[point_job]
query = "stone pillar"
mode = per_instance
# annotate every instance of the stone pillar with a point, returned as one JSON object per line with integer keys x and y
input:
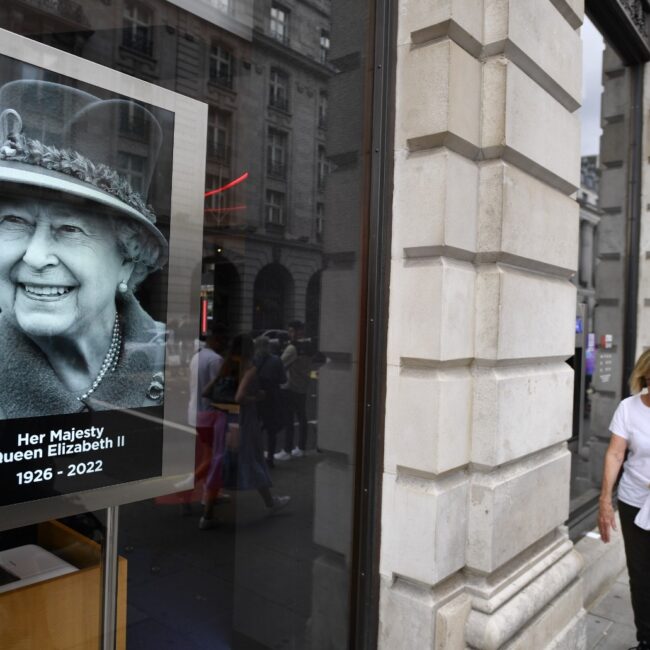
{"x": 611, "y": 253}
{"x": 479, "y": 399}
{"x": 643, "y": 322}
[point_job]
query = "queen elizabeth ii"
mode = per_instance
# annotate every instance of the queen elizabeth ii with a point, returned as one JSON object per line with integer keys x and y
{"x": 76, "y": 239}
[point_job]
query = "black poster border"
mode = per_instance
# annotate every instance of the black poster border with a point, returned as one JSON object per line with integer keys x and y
{"x": 59, "y": 455}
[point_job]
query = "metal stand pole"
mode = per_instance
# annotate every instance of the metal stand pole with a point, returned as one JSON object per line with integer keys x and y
{"x": 109, "y": 579}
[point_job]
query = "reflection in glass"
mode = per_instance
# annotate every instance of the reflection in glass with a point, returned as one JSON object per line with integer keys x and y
{"x": 214, "y": 565}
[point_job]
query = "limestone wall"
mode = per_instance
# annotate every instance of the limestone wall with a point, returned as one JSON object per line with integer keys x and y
{"x": 479, "y": 399}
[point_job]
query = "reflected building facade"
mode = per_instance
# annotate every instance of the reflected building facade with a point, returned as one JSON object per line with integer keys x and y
{"x": 488, "y": 442}
{"x": 282, "y": 232}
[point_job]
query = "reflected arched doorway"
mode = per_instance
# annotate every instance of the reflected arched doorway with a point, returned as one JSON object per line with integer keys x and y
{"x": 272, "y": 295}
{"x": 312, "y": 305}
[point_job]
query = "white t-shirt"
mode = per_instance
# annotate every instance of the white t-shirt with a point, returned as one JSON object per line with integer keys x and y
{"x": 632, "y": 421}
{"x": 204, "y": 367}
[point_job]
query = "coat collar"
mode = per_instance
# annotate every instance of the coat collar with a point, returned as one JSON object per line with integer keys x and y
{"x": 29, "y": 386}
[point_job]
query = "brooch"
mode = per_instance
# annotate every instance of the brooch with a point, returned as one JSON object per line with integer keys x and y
{"x": 156, "y": 388}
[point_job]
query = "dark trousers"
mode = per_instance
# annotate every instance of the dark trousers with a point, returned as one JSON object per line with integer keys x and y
{"x": 637, "y": 553}
{"x": 272, "y": 429}
{"x": 296, "y": 407}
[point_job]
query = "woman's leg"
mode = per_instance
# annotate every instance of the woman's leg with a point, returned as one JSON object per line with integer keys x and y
{"x": 637, "y": 553}
{"x": 267, "y": 497}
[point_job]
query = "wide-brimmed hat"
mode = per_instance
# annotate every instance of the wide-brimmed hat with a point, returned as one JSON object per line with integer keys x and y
{"x": 60, "y": 138}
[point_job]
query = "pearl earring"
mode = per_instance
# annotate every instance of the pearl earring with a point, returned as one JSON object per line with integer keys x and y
{"x": 122, "y": 287}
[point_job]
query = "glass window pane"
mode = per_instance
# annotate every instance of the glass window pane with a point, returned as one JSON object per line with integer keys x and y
{"x": 252, "y": 549}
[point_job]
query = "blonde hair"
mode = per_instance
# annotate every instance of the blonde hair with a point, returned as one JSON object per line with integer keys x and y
{"x": 640, "y": 372}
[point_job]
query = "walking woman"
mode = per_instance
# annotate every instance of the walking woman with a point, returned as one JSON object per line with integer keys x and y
{"x": 630, "y": 429}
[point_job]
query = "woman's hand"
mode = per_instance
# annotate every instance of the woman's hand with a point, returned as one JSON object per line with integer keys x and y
{"x": 606, "y": 519}
{"x": 614, "y": 457}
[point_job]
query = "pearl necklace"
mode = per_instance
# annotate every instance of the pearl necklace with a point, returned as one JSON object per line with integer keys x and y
{"x": 110, "y": 360}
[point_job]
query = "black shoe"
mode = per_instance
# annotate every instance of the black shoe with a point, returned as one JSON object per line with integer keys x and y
{"x": 643, "y": 645}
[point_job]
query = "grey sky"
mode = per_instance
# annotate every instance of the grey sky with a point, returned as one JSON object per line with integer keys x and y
{"x": 592, "y": 64}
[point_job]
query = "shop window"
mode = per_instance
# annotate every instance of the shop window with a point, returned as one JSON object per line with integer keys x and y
{"x": 248, "y": 260}
{"x": 137, "y": 24}
{"x": 279, "y": 89}
{"x": 275, "y": 208}
{"x": 221, "y": 65}
{"x": 276, "y": 153}
{"x": 279, "y": 23}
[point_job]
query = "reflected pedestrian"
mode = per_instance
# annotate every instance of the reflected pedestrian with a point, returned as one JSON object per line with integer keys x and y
{"x": 271, "y": 375}
{"x": 297, "y": 363}
{"x": 209, "y": 422}
{"x": 244, "y": 466}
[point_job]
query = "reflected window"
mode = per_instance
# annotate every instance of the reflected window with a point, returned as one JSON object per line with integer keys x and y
{"x": 279, "y": 24}
{"x": 137, "y": 23}
{"x": 279, "y": 89}
{"x": 217, "y": 205}
{"x": 324, "y": 45}
{"x": 219, "y": 135}
{"x": 221, "y": 65}
{"x": 322, "y": 168}
{"x": 221, "y": 5}
{"x": 322, "y": 109}
{"x": 275, "y": 208}
{"x": 320, "y": 216}
{"x": 276, "y": 153}
{"x": 132, "y": 121}
{"x": 132, "y": 167}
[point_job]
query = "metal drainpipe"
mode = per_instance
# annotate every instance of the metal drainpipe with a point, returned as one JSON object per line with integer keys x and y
{"x": 633, "y": 226}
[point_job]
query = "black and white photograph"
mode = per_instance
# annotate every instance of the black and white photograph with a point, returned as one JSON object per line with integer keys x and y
{"x": 84, "y": 226}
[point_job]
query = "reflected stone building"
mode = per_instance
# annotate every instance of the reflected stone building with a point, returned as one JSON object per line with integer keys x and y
{"x": 507, "y": 257}
{"x": 264, "y": 74}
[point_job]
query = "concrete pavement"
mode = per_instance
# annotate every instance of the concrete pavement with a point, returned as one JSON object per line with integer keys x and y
{"x": 610, "y": 623}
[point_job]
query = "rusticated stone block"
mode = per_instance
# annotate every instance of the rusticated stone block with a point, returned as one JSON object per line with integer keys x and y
{"x": 423, "y": 527}
{"x": 547, "y": 146}
{"x": 334, "y": 481}
{"x": 508, "y": 423}
{"x": 543, "y": 44}
{"x": 435, "y": 203}
{"x": 428, "y": 417}
{"x": 514, "y": 506}
{"x": 521, "y": 217}
{"x": 423, "y": 20}
{"x": 512, "y": 315}
{"x": 432, "y": 311}
{"x": 438, "y": 96}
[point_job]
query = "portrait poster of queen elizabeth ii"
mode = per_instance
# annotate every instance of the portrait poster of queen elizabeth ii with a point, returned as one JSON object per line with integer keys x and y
{"x": 101, "y": 194}
{"x": 84, "y": 205}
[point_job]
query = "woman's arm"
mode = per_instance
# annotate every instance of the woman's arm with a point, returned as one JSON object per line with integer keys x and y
{"x": 613, "y": 460}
